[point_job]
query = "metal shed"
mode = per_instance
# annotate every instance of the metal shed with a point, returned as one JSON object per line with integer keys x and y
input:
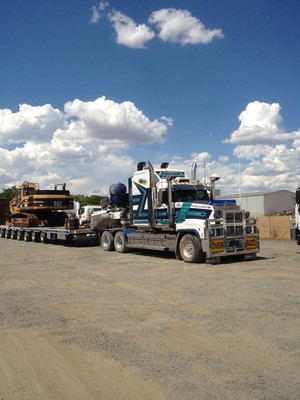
{"x": 264, "y": 203}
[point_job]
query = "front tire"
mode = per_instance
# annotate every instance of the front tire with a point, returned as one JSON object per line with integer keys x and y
{"x": 107, "y": 241}
{"x": 191, "y": 249}
{"x": 120, "y": 242}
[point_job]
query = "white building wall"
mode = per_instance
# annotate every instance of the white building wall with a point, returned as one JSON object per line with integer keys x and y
{"x": 264, "y": 203}
{"x": 254, "y": 204}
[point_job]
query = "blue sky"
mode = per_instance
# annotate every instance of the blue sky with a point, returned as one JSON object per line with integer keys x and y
{"x": 90, "y": 88}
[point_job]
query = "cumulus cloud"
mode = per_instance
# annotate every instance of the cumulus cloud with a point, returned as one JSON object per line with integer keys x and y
{"x": 265, "y": 157}
{"x": 88, "y": 146}
{"x": 173, "y": 26}
{"x": 128, "y": 32}
{"x": 83, "y": 141}
{"x": 119, "y": 122}
{"x": 261, "y": 123}
{"x": 29, "y": 123}
{"x": 179, "y": 26}
{"x": 272, "y": 155}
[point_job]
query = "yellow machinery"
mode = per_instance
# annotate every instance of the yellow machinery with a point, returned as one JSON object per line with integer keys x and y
{"x": 33, "y": 207}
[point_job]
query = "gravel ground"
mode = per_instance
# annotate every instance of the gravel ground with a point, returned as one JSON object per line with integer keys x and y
{"x": 81, "y": 323}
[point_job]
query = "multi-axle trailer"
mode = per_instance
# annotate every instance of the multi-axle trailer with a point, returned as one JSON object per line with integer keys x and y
{"x": 49, "y": 235}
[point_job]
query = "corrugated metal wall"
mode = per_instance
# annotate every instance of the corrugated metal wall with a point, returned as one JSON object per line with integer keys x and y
{"x": 264, "y": 203}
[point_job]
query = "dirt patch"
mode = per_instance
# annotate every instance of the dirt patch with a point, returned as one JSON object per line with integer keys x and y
{"x": 275, "y": 227}
{"x": 81, "y": 323}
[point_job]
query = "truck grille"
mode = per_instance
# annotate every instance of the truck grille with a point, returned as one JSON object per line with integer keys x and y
{"x": 234, "y": 217}
{"x": 232, "y": 233}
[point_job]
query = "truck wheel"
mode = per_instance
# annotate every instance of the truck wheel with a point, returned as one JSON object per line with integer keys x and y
{"x": 2, "y": 233}
{"x": 120, "y": 242}
{"x": 13, "y": 235}
{"x": 191, "y": 249}
{"x": 20, "y": 235}
{"x": 7, "y": 234}
{"x": 27, "y": 237}
{"x": 107, "y": 241}
{"x": 43, "y": 237}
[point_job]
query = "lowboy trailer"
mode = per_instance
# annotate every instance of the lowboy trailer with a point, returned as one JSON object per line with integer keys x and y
{"x": 49, "y": 235}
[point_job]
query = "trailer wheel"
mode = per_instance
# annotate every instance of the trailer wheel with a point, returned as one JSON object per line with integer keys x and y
{"x": 191, "y": 249}
{"x": 107, "y": 241}
{"x": 120, "y": 242}
{"x": 27, "y": 237}
{"x": 35, "y": 236}
{"x": 43, "y": 237}
{"x": 7, "y": 233}
{"x": 2, "y": 233}
{"x": 20, "y": 235}
{"x": 13, "y": 235}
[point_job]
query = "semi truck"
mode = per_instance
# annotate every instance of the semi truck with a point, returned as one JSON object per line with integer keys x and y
{"x": 163, "y": 209}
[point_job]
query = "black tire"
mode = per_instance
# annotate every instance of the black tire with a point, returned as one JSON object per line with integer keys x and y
{"x": 107, "y": 241}
{"x": 35, "y": 236}
{"x": 191, "y": 249}
{"x": 7, "y": 233}
{"x": 43, "y": 237}
{"x": 2, "y": 233}
{"x": 13, "y": 235}
{"x": 27, "y": 237}
{"x": 20, "y": 235}
{"x": 120, "y": 242}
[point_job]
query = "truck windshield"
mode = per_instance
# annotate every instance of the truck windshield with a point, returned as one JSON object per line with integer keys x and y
{"x": 196, "y": 193}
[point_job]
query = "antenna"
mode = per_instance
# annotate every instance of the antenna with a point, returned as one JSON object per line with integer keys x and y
{"x": 240, "y": 193}
{"x": 205, "y": 172}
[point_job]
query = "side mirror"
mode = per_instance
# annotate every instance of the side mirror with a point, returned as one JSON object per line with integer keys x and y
{"x": 298, "y": 196}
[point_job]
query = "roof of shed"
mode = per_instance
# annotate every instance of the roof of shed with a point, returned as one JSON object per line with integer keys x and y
{"x": 252, "y": 194}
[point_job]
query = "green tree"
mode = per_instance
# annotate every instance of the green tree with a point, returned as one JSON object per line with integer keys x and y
{"x": 85, "y": 200}
{"x": 8, "y": 194}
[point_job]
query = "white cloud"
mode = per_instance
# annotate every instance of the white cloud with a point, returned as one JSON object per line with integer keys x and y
{"x": 113, "y": 122}
{"x": 179, "y": 26}
{"x": 85, "y": 146}
{"x": 95, "y": 15}
{"x": 88, "y": 146}
{"x": 128, "y": 32}
{"x": 272, "y": 158}
{"x": 261, "y": 124}
{"x": 29, "y": 123}
{"x": 174, "y": 26}
{"x": 97, "y": 10}
{"x": 251, "y": 151}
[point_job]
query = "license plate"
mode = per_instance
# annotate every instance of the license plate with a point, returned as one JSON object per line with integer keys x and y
{"x": 251, "y": 243}
{"x": 217, "y": 245}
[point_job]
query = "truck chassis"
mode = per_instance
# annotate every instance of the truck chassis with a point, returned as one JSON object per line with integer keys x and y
{"x": 228, "y": 236}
